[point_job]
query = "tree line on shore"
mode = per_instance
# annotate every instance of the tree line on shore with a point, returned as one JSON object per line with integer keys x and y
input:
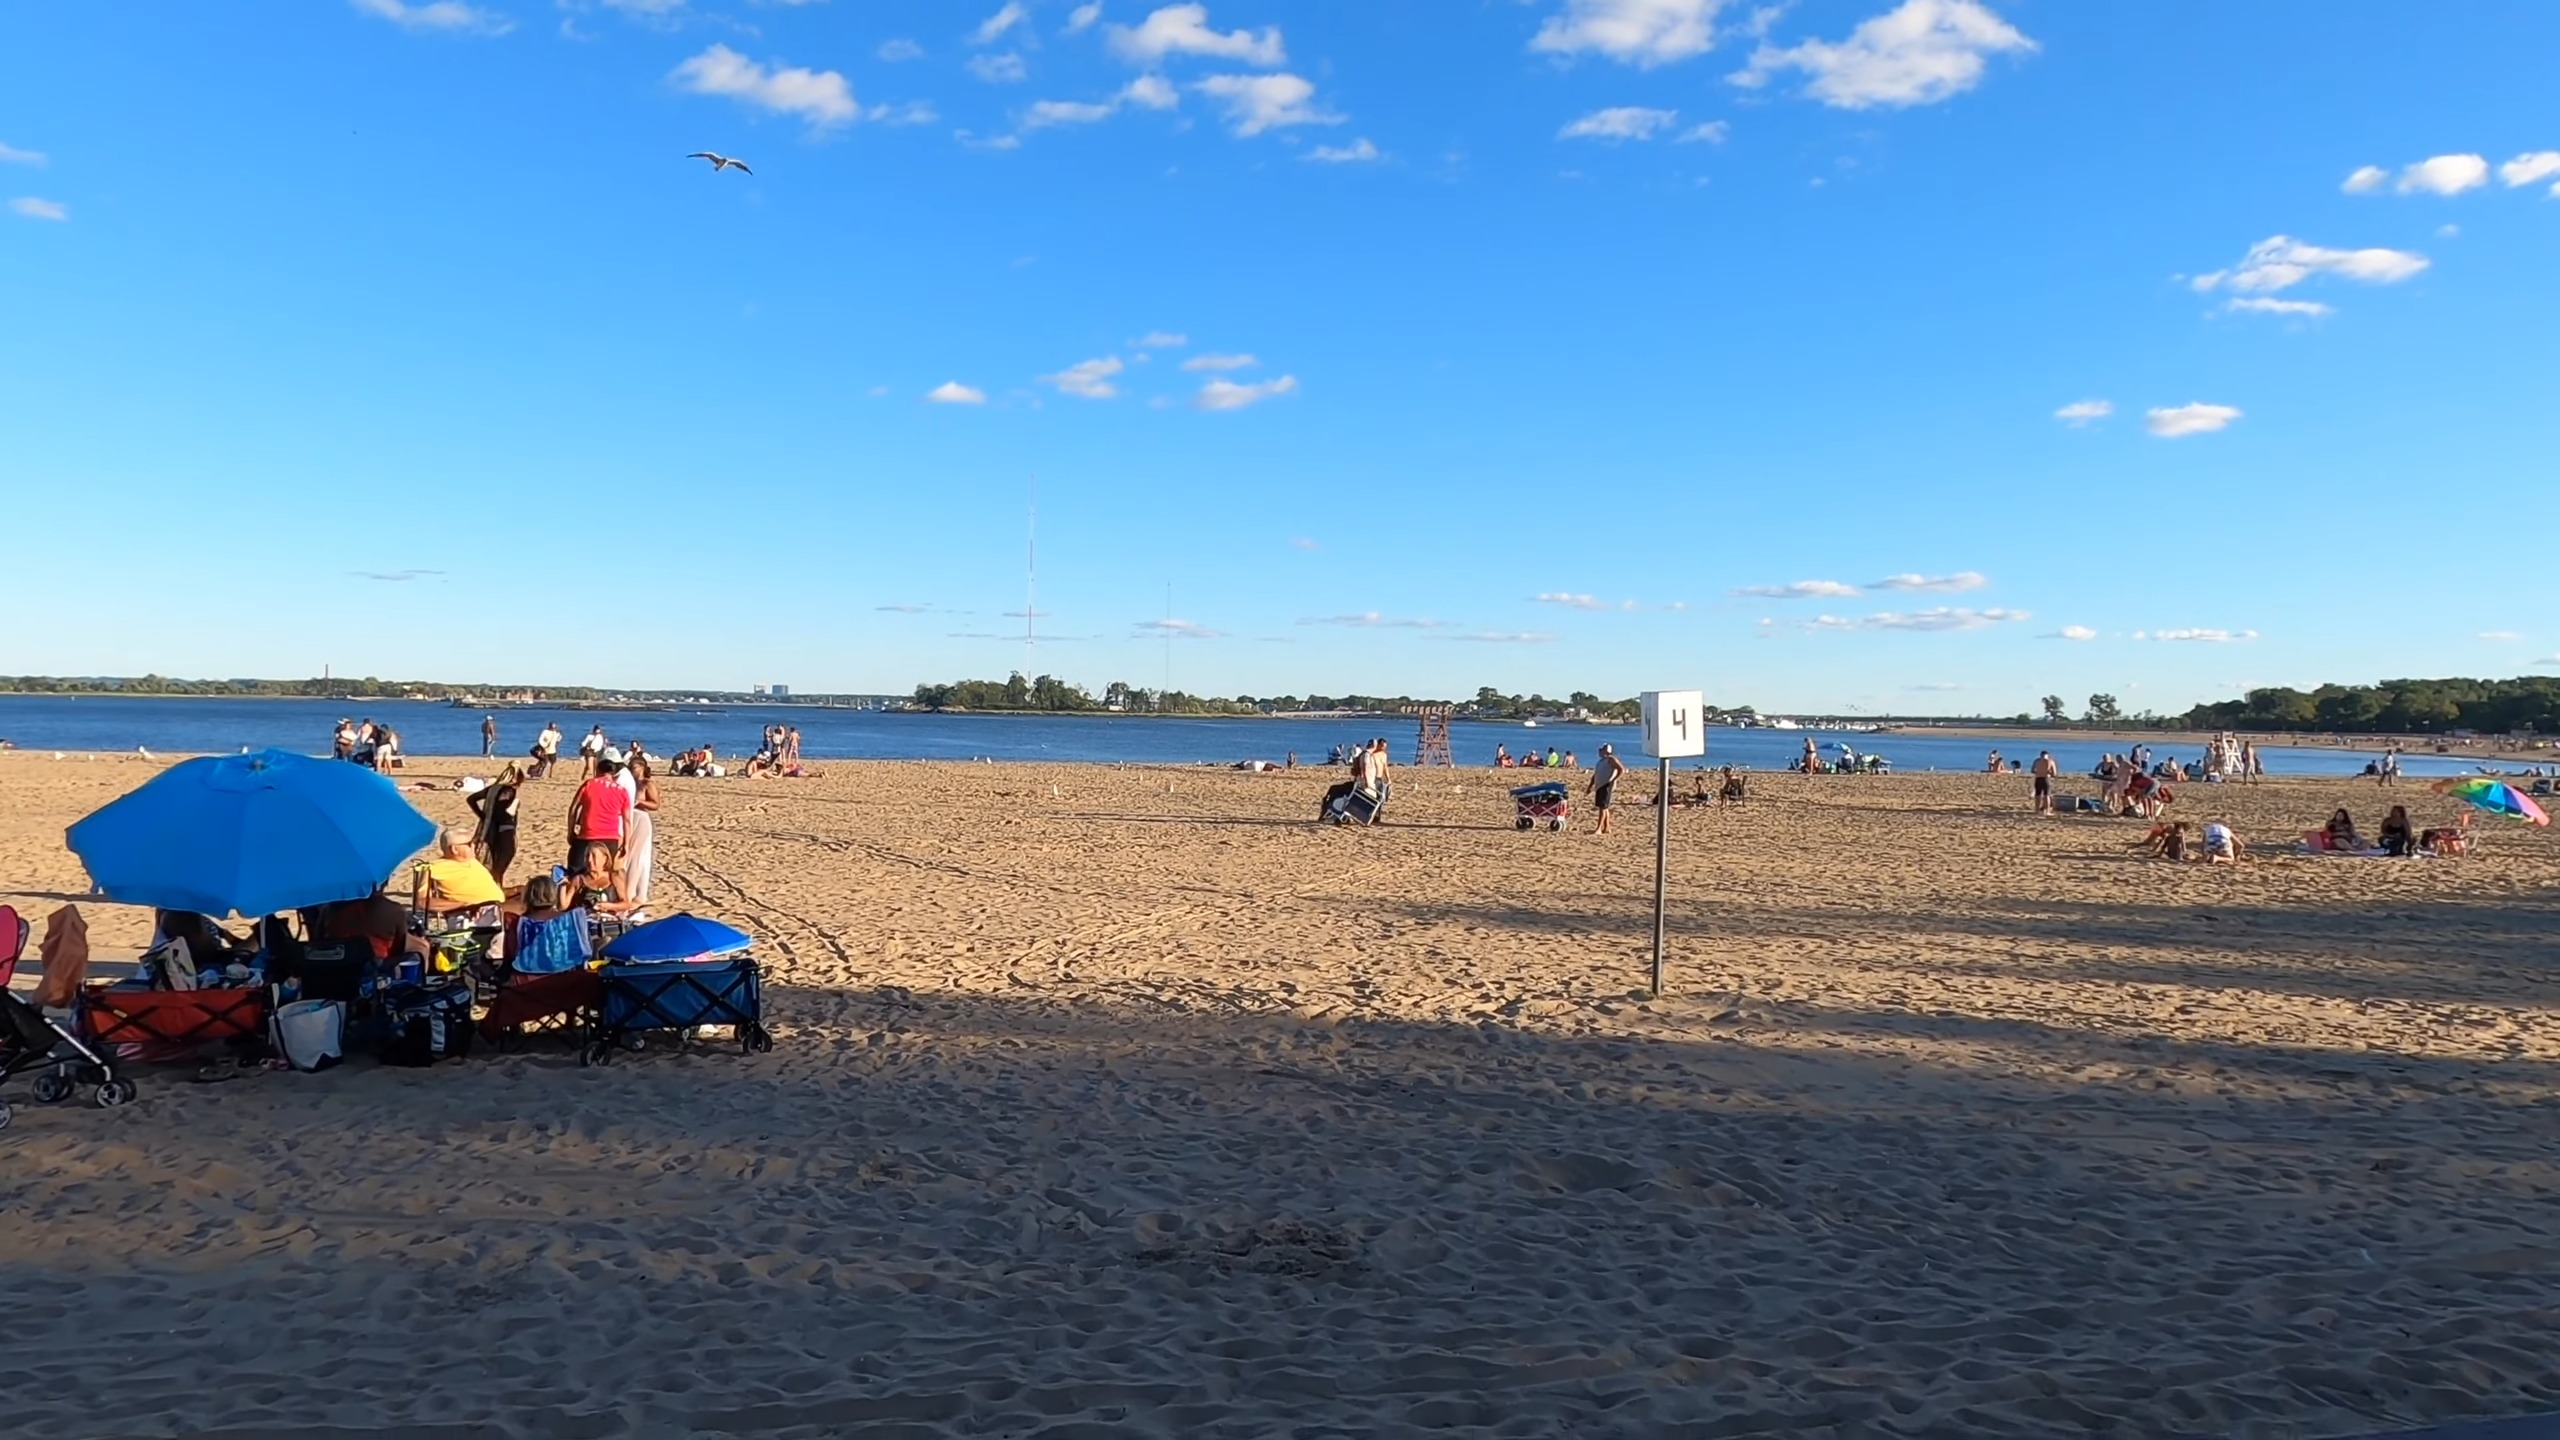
{"x": 2525, "y": 705}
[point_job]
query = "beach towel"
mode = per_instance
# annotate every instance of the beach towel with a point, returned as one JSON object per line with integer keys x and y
{"x": 66, "y": 958}
{"x": 548, "y": 947}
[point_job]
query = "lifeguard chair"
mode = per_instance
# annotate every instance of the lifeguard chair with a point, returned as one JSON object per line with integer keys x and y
{"x": 1431, "y": 746}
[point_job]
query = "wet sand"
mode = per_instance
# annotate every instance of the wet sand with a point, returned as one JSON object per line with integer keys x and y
{"x": 1124, "y": 1102}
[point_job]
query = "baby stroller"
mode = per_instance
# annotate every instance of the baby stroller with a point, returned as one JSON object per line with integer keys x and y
{"x": 29, "y": 1041}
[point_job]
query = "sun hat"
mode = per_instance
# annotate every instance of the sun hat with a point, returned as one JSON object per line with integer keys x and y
{"x": 611, "y": 756}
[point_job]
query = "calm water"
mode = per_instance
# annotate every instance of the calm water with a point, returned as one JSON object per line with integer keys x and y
{"x": 60, "y": 722}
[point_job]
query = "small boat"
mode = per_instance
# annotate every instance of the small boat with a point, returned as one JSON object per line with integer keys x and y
{"x": 1528, "y": 724}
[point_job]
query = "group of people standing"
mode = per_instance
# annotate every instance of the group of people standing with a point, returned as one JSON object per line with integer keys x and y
{"x": 612, "y": 819}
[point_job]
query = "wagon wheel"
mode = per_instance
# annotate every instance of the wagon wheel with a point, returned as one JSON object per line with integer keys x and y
{"x": 596, "y": 1052}
{"x": 755, "y": 1040}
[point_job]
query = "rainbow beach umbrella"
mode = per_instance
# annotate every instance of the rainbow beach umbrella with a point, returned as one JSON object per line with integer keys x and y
{"x": 2495, "y": 796}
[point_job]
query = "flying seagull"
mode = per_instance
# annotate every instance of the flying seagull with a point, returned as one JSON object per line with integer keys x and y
{"x": 720, "y": 162}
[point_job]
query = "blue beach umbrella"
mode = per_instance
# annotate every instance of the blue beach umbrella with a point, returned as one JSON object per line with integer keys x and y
{"x": 256, "y": 834}
{"x": 678, "y": 937}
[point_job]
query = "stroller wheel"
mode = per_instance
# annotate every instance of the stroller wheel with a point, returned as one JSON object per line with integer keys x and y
{"x": 4, "y": 1114}
{"x": 52, "y": 1089}
{"x": 115, "y": 1093}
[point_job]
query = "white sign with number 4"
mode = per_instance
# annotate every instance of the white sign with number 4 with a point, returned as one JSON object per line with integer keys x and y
{"x": 1675, "y": 724}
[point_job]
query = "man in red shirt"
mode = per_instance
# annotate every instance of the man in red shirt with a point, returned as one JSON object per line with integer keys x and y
{"x": 599, "y": 813}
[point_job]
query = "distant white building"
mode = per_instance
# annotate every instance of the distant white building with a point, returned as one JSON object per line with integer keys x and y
{"x": 778, "y": 692}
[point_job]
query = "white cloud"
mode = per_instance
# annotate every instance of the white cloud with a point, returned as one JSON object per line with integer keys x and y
{"x": 2445, "y": 175}
{"x": 1571, "y": 601}
{"x": 37, "y": 209}
{"x": 2264, "y": 305}
{"x": 1002, "y": 68}
{"x": 1936, "y": 618}
{"x": 1081, "y": 18}
{"x": 898, "y": 51}
{"x": 1045, "y": 113}
{"x": 821, "y": 97}
{"x": 452, "y": 17}
{"x": 1372, "y": 620}
{"x": 1154, "y": 92}
{"x": 1256, "y": 103}
{"x": 2447, "y": 231}
{"x": 1939, "y": 688}
{"x": 1179, "y": 630}
{"x": 952, "y": 392}
{"x": 1148, "y": 91}
{"x": 1620, "y": 122}
{"x": 1634, "y": 32}
{"x": 1088, "y": 379}
{"x": 1184, "y": 30}
{"x": 1919, "y": 53}
{"x": 12, "y": 155}
{"x": 914, "y": 112}
{"x": 1161, "y": 340}
{"x": 1713, "y": 132}
{"x": 2281, "y": 262}
{"x": 2500, "y": 635}
{"x": 2081, "y": 412}
{"x": 992, "y": 29}
{"x": 1505, "y": 637}
{"x": 2073, "y": 632}
{"x": 1955, "y": 584}
{"x": 1357, "y": 151}
{"x": 2202, "y": 637}
{"x": 2172, "y": 421}
{"x": 1220, "y": 362}
{"x": 2526, "y": 169}
{"x": 1228, "y": 395}
{"x": 1304, "y": 543}
{"x": 1801, "y": 590}
{"x": 2366, "y": 179}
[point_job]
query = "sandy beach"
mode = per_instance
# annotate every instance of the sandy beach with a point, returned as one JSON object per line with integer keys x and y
{"x": 1125, "y": 1102}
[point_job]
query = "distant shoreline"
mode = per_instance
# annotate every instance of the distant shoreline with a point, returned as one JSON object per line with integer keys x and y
{"x": 2284, "y": 739}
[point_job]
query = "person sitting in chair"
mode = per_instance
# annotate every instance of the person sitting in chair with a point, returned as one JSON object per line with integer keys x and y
{"x": 1733, "y": 791}
{"x": 455, "y": 880}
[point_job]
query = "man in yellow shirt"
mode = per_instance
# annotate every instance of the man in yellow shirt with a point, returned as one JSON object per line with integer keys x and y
{"x": 454, "y": 880}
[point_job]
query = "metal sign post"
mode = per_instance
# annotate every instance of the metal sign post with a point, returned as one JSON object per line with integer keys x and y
{"x": 1675, "y": 728}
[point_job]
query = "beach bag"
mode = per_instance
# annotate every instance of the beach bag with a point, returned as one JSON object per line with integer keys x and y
{"x": 171, "y": 965}
{"x": 435, "y": 1026}
{"x": 310, "y": 1034}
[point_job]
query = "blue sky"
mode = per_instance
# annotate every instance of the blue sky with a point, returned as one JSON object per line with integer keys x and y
{"x": 1851, "y": 354}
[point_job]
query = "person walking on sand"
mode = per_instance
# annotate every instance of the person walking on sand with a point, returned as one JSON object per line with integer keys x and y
{"x": 488, "y": 737}
{"x": 2044, "y": 772}
{"x": 546, "y": 749}
{"x": 591, "y": 748}
{"x": 1604, "y": 783}
{"x": 1812, "y": 756}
